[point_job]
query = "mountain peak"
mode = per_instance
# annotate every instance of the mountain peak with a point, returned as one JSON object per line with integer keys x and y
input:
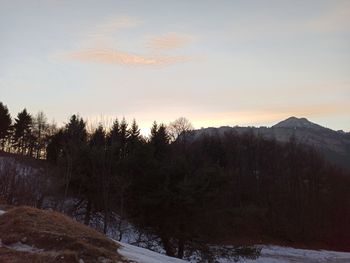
{"x": 294, "y": 122}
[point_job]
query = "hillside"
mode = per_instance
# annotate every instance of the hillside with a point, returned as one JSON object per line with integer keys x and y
{"x": 204, "y": 198}
{"x": 29, "y": 235}
{"x": 334, "y": 145}
{"x": 32, "y": 235}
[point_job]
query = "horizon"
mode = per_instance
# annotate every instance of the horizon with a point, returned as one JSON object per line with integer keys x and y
{"x": 227, "y": 64}
{"x": 107, "y": 122}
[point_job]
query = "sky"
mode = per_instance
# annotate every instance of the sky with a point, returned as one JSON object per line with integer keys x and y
{"x": 214, "y": 62}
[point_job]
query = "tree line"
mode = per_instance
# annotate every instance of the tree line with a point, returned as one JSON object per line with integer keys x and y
{"x": 190, "y": 192}
{"x": 26, "y": 135}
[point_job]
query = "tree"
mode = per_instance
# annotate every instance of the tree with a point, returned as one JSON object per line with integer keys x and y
{"x": 179, "y": 127}
{"x": 5, "y": 124}
{"x": 117, "y": 169}
{"x": 133, "y": 136}
{"x": 114, "y": 143}
{"x": 76, "y": 130}
{"x": 23, "y": 137}
{"x": 98, "y": 138}
{"x": 40, "y": 132}
{"x": 113, "y": 137}
{"x": 159, "y": 140}
{"x": 134, "y": 131}
{"x": 73, "y": 151}
{"x": 154, "y": 130}
{"x": 123, "y": 133}
{"x": 96, "y": 183}
{"x": 54, "y": 149}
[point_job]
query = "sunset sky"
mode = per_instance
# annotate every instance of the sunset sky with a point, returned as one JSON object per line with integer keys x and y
{"x": 214, "y": 62}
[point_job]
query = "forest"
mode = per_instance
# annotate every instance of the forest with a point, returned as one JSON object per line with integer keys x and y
{"x": 188, "y": 192}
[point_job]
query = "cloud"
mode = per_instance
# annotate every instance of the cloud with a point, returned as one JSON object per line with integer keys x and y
{"x": 334, "y": 20}
{"x": 111, "y": 25}
{"x": 108, "y": 56}
{"x": 102, "y": 45}
{"x": 169, "y": 41}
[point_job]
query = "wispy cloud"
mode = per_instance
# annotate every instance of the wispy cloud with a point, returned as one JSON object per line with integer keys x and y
{"x": 169, "y": 41}
{"x": 109, "y": 56}
{"x": 104, "y": 44}
{"x": 333, "y": 20}
{"x": 113, "y": 24}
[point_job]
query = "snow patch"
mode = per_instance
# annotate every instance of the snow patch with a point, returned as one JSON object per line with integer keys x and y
{"x": 23, "y": 248}
{"x": 141, "y": 255}
{"x": 269, "y": 254}
{"x": 277, "y": 254}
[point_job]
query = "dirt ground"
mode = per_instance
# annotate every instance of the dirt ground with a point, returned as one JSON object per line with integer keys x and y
{"x": 31, "y": 235}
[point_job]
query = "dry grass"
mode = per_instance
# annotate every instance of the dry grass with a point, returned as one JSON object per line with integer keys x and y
{"x": 10, "y": 256}
{"x": 61, "y": 238}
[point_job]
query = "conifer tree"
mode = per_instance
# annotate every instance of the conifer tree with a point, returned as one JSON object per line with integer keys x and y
{"x": 123, "y": 138}
{"x": 134, "y": 136}
{"x": 74, "y": 152}
{"x": 113, "y": 141}
{"x": 23, "y": 136}
{"x": 134, "y": 131}
{"x": 98, "y": 138}
{"x": 76, "y": 130}
{"x": 154, "y": 130}
{"x": 54, "y": 149}
{"x": 5, "y": 124}
{"x": 159, "y": 140}
{"x": 113, "y": 137}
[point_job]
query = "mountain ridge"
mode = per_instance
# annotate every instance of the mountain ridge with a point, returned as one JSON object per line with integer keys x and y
{"x": 294, "y": 122}
{"x": 333, "y": 145}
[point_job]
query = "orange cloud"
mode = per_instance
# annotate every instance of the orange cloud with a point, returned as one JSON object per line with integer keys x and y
{"x": 108, "y": 56}
{"x": 111, "y": 25}
{"x": 169, "y": 41}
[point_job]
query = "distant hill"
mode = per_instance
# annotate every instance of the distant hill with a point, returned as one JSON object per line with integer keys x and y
{"x": 294, "y": 122}
{"x": 334, "y": 145}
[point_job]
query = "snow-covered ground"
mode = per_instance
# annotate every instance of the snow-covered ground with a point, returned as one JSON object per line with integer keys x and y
{"x": 19, "y": 246}
{"x": 142, "y": 255}
{"x": 269, "y": 254}
{"x": 277, "y": 254}
{"x": 20, "y": 168}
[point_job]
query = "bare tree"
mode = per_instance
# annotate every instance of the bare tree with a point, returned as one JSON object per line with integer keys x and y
{"x": 179, "y": 127}
{"x": 40, "y": 131}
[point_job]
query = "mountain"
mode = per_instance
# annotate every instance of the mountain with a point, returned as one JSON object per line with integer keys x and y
{"x": 294, "y": 122}
{"x": 333, "y": 145}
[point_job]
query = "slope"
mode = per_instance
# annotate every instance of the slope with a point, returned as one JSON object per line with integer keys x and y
{"x": 333, "y": 145}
